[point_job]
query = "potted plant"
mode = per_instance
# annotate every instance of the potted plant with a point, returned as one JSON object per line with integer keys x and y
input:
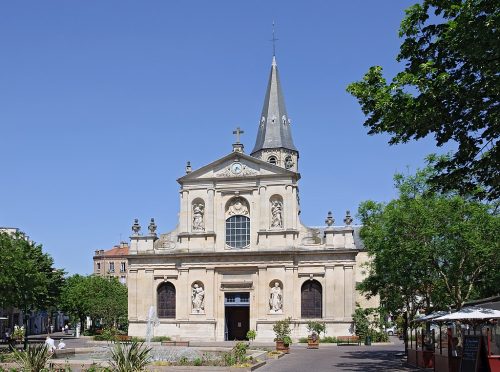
{"x": 314, "y": 328}
{"x": 282, "y": 331}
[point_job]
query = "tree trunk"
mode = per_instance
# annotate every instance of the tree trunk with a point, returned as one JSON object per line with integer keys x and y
{"x": 405, "y": 331}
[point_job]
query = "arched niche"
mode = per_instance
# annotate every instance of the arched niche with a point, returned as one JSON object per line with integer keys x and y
{"x": 275, "y": 297}
{"x": 198, "y": 215}
{"x": 276, "y": 210}
{"x": 198, "y": 297}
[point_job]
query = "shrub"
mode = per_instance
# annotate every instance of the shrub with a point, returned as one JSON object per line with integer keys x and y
{"x": 287, "y": 340}
{"x": 130, "y": 358}
{"x": 303, "y": 340}
{"x": 379, "y": 336}
{"x": 237, "y": 355}
{"x": 282, "y": 329}
{"x": 316, "y": 327}
{"x": 33, "y": 359}
{"x": 251, "y": 334}
{"x": 329, "y": 340}
{"x": 160, "y": 338}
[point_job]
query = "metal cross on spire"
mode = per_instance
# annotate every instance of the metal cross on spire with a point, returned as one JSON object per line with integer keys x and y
{"x": 238, "y": 131}
{"x": 274, "y": 39}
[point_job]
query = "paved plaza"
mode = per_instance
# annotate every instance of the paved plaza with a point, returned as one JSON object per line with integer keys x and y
{"x": 329, "y": 357}
{"x": 341, "y": 358}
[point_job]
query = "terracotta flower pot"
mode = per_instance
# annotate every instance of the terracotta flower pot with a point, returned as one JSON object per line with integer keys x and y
{"x": 312, "y": 342}
{"x": 281, "y": 346}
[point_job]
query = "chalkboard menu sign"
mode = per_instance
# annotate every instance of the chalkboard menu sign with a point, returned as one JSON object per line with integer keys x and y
{"x": 470, "y": 354}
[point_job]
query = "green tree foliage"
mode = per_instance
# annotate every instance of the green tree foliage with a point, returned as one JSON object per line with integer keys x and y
{"x": 102, "y": 299}
{"x": 449, "y": 88}
{"x": 28, "y": 279}
{"x": 428, "y": 250}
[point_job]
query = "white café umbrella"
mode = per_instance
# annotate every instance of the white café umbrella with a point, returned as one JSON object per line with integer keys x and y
{"x": 471, "y": 313}
{"x": 431, "y": 317}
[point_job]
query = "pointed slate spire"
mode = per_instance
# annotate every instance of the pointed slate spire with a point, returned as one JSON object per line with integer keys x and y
{"x": 274, "y": 129}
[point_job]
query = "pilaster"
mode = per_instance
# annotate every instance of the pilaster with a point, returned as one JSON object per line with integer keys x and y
{"x": 349, "y": 291}
{"x": 338, "y": 290}
{"x": 329, "y": 291}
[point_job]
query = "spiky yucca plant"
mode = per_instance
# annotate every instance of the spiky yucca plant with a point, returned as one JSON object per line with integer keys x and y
{"x": 130, "y": 358}
{"x": 33, "y": 359}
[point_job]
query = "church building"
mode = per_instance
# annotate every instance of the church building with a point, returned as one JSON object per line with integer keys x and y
{"x": 240, "y": 258}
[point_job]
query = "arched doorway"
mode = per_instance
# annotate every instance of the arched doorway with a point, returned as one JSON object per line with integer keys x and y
{"x": 166, "y": 300}
{"x": 311, "y": 300}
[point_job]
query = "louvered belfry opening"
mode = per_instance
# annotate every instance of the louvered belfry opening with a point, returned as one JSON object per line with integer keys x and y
{"x": 166, "y": 300}
{"x": 311, "y": 300}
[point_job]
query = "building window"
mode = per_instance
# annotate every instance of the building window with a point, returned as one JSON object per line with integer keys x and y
{"x": 311, "y": 300}
{"x": 123, "y": 279}
{"x": 111, "y": 267}
{"x": 122, "y": 267}
{"x": 166, "y": 300}
{"x": 272, "y": 160}
{"x": 238, "y": 232}
{"x": 98, "y": 266}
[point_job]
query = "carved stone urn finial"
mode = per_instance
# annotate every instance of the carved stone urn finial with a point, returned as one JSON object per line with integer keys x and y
{"x": 348, "y": 219}
{"x": 136, "y": 227}
{"x": 152, "y": 227}
{"x": 330, "y": 220}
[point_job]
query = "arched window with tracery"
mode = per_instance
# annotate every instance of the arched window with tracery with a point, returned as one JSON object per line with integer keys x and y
{"x": 272, "y": 159}
{"x": 166, "y": 300}
{"x": 311, "y": 299}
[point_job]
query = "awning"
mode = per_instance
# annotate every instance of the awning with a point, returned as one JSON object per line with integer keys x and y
{"x": 471, "y": 313}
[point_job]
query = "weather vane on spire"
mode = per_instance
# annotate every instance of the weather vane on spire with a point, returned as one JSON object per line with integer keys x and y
{"x": 274, "y": 39}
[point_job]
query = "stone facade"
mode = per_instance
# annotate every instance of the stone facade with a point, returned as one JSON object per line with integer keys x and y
{"x": 112, "y": 263}
{"x": 240, "y": 258}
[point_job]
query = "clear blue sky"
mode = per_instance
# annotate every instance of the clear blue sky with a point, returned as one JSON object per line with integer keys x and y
{"x": 102, "y": 103}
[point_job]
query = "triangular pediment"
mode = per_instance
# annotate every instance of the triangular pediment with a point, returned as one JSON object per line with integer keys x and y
{"x": 237, "y": 165}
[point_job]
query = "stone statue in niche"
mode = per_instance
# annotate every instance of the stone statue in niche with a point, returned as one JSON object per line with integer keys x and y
{"x": 276, "y": 214}
{"x": 237, "y": 207}
{"x": 198, "y": 213}
{"x": 276, "y": 299}
{"x": 198, "y": 298}
{"x": 288, "y": 162}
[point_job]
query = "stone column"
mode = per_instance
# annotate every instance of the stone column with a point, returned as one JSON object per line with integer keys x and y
{"x": 132, "y": 294}
{"x": 294, "y": 208}
{"x": 183, "y": 295}
{"x": 329, "y": 291}
{"x": 262, "y": 293}
{"x": 288, "y": 291}
{"x": 288, "y": 210}
{"x": 183, "y": 215}
{"x": 349, "y": 291}
{"x": 209, "y": 211}
{"x": 297, "y": 294}
{"x": 210, "y": 290}
{"x": 263, "y": 209}
{"x": 338, "y": 292}
{"x": 146, "y": 300}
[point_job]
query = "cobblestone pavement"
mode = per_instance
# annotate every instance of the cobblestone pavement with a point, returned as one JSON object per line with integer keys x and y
{"x": 341, "y": 358}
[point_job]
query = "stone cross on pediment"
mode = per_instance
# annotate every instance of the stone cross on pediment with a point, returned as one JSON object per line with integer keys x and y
{"x": 238, "y": 132}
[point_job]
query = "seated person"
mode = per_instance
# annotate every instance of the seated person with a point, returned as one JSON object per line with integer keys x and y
{"x": 61, "y": 345}
{"x": 50, "y": 344}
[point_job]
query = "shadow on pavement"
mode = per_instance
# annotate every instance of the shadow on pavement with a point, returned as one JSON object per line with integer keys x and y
{"x": 373, "y": 361}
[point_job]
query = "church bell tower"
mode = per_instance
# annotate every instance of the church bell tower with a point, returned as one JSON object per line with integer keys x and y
{"x": 274, "y": 142}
